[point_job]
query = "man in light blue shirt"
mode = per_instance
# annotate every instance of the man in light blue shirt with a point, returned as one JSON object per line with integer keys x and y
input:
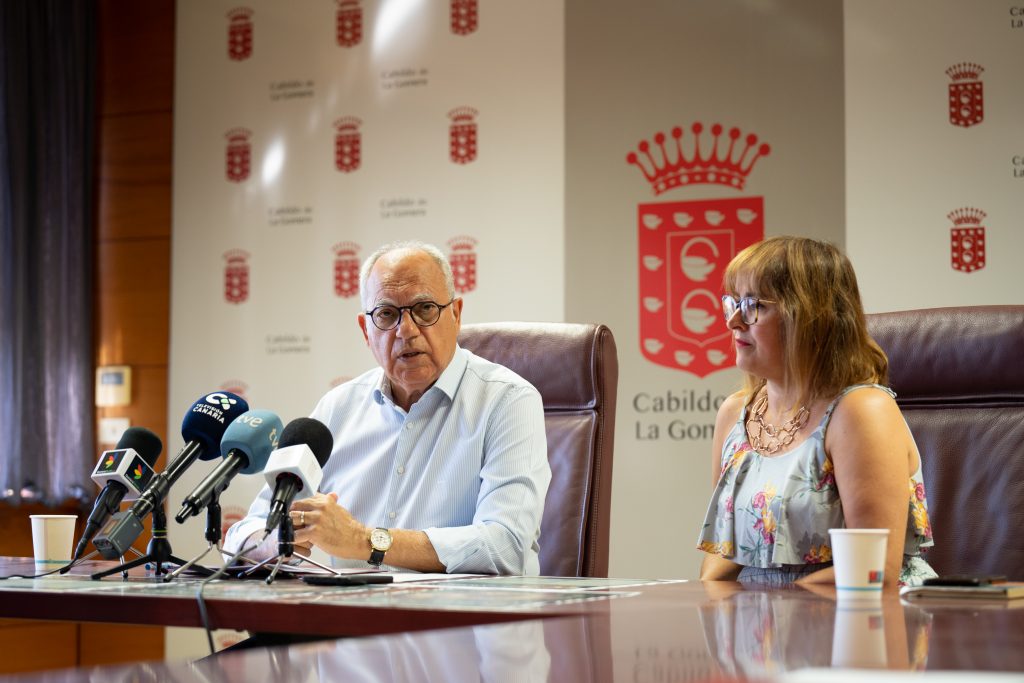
{"x": 440, "y": 457}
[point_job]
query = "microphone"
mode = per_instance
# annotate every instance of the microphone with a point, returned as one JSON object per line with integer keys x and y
{"x": 202, "y": 429}
{"x": 123, "y": 473}
{"x": 297, "y": 465}
{"x": 246, "y": 446}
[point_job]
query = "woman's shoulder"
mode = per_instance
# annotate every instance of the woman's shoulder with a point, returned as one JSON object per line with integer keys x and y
{"x": 729, "y": 415}
{"x": 732, "y": 407}
{"x": 865, "y": 408}
{"x": 865, "y": 399}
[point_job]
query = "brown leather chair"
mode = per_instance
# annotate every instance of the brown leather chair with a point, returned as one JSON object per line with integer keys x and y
{"x": 959, "y": 378}
{"x": 576, "y": 370}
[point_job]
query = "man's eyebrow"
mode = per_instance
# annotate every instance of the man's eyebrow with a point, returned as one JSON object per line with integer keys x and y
{"x": 414, "y": 299}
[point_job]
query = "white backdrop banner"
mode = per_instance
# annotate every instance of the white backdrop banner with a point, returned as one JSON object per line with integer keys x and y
{"x": 935, "y": 151}
{"x": 725, "y": 127}
{"x": 309, "y": 133}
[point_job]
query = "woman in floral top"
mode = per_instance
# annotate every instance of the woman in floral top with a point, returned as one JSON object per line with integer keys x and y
{"x": 814, "y": 441}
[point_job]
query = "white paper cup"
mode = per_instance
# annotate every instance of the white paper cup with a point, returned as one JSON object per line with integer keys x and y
{"x": 858, "y": 640}
{"x": 52, "y": 537}
{"x": 858, "y": 556}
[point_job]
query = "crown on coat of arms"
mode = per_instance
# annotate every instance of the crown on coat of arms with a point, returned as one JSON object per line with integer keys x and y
{"x": 666, "y": 169}
{"x": 347, "y": 124}
{"x": 462, "y": 114}
{"x": 236, "y": 256}
{"x": 965, "y": 71}
{"x": 462, "y": 243}
{"x": 238, "y": 135}
{"x": 345, "y": 249}
{"x": 966, "y": 216}
{"x": 240, "y": 14}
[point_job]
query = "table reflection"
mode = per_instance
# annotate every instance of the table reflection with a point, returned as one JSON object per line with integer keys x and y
{"x": 491, "y": 654}
{"x": 761, "y": 633}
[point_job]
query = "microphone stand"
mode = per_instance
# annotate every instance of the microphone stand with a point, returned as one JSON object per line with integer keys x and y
{"x": 285, "y": 551}
{"x": 124, "y": 573}
{"x": 213, "y": 537}
{"x": 158, "y": 551}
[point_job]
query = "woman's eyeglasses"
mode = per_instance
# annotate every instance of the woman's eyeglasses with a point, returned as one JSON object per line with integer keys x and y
{"x": 748, "y": 307}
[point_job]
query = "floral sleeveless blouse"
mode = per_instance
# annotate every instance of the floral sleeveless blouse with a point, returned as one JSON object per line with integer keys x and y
{"x": 769, "y": 512}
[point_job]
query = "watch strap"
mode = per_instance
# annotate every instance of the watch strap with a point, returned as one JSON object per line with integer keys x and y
{"x": 376, "y": 557}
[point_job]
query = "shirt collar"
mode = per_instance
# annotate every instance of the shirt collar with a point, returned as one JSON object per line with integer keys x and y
{"x": 447, "y": 383}
{"x": 449, "y": 380}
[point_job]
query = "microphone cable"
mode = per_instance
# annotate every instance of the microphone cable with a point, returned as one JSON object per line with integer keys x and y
{"x": 203, "y": 614}
{"x": 63, "y": 570}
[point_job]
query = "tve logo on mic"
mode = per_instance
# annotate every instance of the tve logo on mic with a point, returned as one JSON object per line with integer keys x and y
{"x": 255, "y": 419}
{"x": 125, "y": 466}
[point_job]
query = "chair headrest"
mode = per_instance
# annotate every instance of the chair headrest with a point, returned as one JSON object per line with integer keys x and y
{"x": 953, "y": 353}
{"x": 562, "y": 360}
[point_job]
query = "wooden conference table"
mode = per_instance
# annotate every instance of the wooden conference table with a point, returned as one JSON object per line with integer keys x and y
{"x": 512, "y": 628}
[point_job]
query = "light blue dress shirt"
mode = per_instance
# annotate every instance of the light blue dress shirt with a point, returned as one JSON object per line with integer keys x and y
{"x": 467, "y": 465}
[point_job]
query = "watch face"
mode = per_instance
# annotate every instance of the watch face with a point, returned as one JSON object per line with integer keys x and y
{"x": 380, "y": 539}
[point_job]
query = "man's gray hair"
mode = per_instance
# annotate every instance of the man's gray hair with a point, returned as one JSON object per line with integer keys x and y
{"x": 414, "y": 245}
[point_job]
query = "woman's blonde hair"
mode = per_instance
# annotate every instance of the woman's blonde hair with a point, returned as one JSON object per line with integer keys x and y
{"x": 824, "y": 331}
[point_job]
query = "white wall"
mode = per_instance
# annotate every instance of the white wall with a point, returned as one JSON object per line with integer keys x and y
{"x": 908, "y": 167}
{"x": 775, "y": 71}
{"x": 289, "y": 337}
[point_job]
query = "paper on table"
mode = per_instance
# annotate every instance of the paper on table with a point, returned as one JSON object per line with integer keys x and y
{"x": 815, "y": 675}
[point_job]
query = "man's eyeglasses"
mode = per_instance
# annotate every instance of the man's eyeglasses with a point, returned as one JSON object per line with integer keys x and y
{"x": 424, "y": 313}
{"x": 748, "y": 307}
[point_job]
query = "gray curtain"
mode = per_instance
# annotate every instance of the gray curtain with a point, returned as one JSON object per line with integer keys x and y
{"x": 47, "y": 72}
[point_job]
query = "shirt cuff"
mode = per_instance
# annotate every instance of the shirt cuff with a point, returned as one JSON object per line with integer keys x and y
{"x": 455, "y": 547}
{"x": 241, "y": 536}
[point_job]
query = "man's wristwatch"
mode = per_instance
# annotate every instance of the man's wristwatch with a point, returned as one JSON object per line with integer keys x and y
{"x": 380, "y": 543}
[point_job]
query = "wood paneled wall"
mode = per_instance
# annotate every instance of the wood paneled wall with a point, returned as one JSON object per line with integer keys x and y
{"x": 135, "y": 96}
{"x": 135, "y": 109}
{"x": 135, "y": 122}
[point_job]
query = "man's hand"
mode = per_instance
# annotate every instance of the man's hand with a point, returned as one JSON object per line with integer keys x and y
{"x": 320, "y": 521}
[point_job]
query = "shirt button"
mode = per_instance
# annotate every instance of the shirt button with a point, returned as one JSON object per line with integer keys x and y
{"x": 408, "y": 425}
{"x": 391, "y": 515}
{"x": 401, "y": 470}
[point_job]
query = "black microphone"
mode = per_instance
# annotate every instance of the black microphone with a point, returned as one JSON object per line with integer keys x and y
{"x": 124, "y": 473}
{"x": 296, "y": 465}
{"x": 202, "y": 429}
{"x": 246, "y": 446}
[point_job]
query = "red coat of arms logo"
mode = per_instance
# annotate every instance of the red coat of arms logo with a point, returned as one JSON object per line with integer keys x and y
{"x": 684, "y": 246}
{"x": 966, "y": 95}
{"x": 462, "y": 259}
{"x": 348, "y": 147}
{"x": 235, "y": 386}
{"x": 464, "y": 15}
{"x": 239, "y": 154}
{"x": 346, "y": 269}
{"x": 350, "y": 23}
{"x": 240, "y": 33}
{"x": 236, "y": 276}
{"x": 462, "y": 135}
{"x": 967, "y": 239}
